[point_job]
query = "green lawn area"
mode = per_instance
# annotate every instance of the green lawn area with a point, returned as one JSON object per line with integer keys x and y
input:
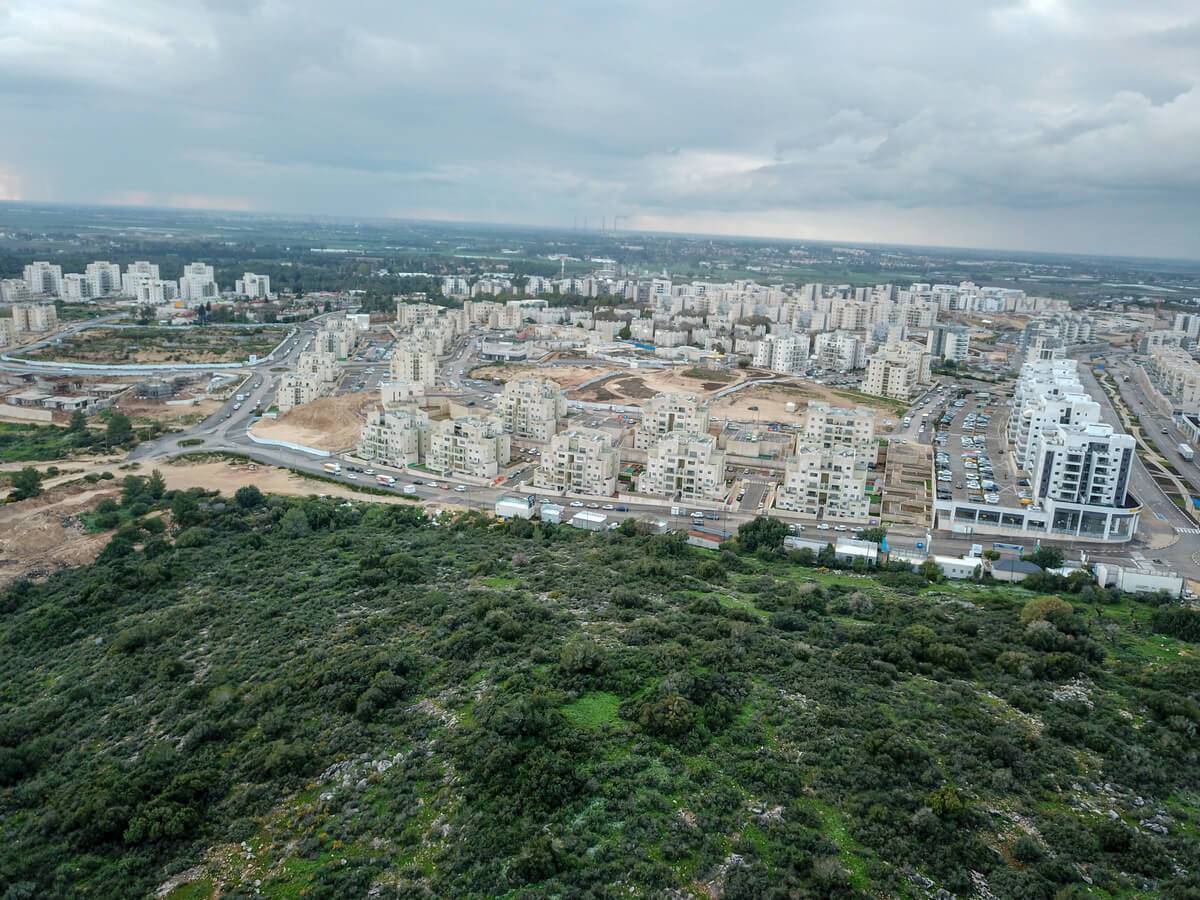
{"x": 593, "y": 710}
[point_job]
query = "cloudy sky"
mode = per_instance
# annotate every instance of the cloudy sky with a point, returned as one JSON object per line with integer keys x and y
{"x": 1040, "y": 124}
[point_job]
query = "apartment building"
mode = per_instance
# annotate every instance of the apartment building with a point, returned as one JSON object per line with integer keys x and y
{"x": 135, "y": 273}
{"x": 104, "y": 277}
{"x": 475, "y": 446}
{"x": 1188, "y": 323}
{"x": 684, "y": 466}
{"x": 668, "y": 412}
{"x": 1176, "y": 375}
{"x": 34, "y": 317}
{"x": 395, "y": 437}
{"x": 316, "y": 371}
{"x": 582, "y": 461}
{"x": 413, "y": 361}
{"x": 253, "y": 287}
{"x": 531, "y": 408}
{"x": 1047, "y": 394}
{"x": 949, "y": 342}
{"x": 154, "y": 291}
{"x": 197, "y": 284}
{"x": 8, "y": 333}
{"x": 783, "y": 353}
{"x": 897, "y": 371}
{"x": 455, "y": 286}
{"x": 839, "y": 351}
{"x": 837, "y": 428}
{"x": 44, "y": 278}
{"x": 411, "y": 315}
{"x": 827, "y": 483}
{"x": 15, "y": 290}
{"x": 337, "y": 337}
{"x": 76, "y": 287}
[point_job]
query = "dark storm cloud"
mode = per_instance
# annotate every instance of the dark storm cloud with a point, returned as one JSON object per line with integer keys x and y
{"x": 977, "y": 121}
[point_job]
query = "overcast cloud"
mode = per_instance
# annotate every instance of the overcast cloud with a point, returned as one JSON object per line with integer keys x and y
{"x": 1047, "y": 124}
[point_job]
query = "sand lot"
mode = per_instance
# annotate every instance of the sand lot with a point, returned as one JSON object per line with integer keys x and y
{"x": 566, "y": 376}
{"x": 329, "y": 423}
{"x": 33, "y": 539}
{"x": 771, "y": 400}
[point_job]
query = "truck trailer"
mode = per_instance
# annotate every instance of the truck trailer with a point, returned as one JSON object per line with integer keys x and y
{"x": 332, "y": 467}
{"x": 1186, "y": 451}
{"x": 386, "y": 480}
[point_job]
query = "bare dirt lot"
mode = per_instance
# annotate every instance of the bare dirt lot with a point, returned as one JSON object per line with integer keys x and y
{"x": 142, "y": 412}
{"x": 159, "y": 345}
{"x": 33, "y": 539}
{"x": 771, "y": 400}
{"x": 329, "y": 423}
{"x": 567, "y": 376}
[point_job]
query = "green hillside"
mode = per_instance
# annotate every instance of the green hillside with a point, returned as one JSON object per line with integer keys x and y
{"x": 312, "y": 698}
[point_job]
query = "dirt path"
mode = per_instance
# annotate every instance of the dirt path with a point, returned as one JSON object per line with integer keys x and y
{"x": 44, "y": 535}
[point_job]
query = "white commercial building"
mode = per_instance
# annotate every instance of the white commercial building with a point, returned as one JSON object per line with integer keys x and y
{"x": 684, "y": 466}
{"x": 580, "y": 460}
{"x": 474, "y": 446}
{"x": 531, "y": 408}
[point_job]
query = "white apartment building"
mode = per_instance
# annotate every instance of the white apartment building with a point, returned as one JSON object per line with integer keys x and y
{"x": 400, "y": 393}
{"x": 531, "y": 408}
{"x": 316, "y": 371}
{"x": 413, "y": 361}
{"x": 337, "y": 337}
{"x": 44, "y": 278}
{"x": 135, "y": 273}
{"x": 8, "y": 333}
{"x": 949, "y": 342}
{"x": 76, "y": 287}
{"x": 34, "y": 317}
{"x": 105, "y": 278}
{"x": 154, "y": 291}
{"x": 1081, "y": 479}
{"x": 1188, "y": 323}
{"x": 413, "y": 315}
{"x": 455, "y": 286}
{"x": 1047, "y": 394}
{"x": 582, "y": 461}
{"x": 684, "y": 466}
{"x": 836, "y": 428}
{"x": 474, "y": 446}
{"x": 668, "y": 412}
{"x": 254, "y": 287}
{"x": 15, "y": 290}
{"x": 1177, "y": 376}
{"x": 535, "y": 285}
{"x": 826, "y": 483}
{"x": 395, "y": 437}
{"x": 839, "y": 351}
{"x": 197, "y": 284}
{"x": 897, "y": 370}
{"x": 783, "y": 353}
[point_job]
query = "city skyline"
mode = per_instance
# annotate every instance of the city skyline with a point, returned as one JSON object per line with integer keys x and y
{"x": 1055, "y": 126}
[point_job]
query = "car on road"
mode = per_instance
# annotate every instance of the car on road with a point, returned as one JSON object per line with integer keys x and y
{"x": 352, "y": 476}
{"x": 841, "y": 528}
{"x": 577, "y": 504}
{"x": 461, "y": 488}
{"x": 608, "y": 506}
{"x": 593, "y": 506}
{"x": 824, "y": 526}
{"x": 369, "y": 472}
{"x": 431, "y": 484}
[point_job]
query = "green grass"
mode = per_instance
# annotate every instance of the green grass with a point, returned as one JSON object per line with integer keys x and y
{"x": 192, "y": 890}
{"x": 593, "y": 710}
{"x": 499, "y": 582}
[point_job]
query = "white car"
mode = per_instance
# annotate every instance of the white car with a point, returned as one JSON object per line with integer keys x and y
{"x": 823, "y": 527}
{"x": 431, "y": 484}
{"x": 461, "y": 488}
{"x": 577, "y": 503}
{"x": 369, "y": 472}
{"x": 352, "y": 476}
{"x": 608, "y": 506}
{"x": 841, "y": 528}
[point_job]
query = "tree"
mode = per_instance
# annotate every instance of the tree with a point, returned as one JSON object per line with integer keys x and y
{"x": 27, "y": 483}
{"x": 930, "y": 571}
{"x": 625, "y": 333}
{"x": 1055, "y": 610}
{"x": 1047, "y": 557}
{"x": 78, "y": 422}
{"x": 294, "y": 523}
{"x": 119, "y": 428}
{"x": 875, "y": 535}
{"x": 761, "y": 532}
{"x": 248, "y": 497}
{"x": 156, "y": 485}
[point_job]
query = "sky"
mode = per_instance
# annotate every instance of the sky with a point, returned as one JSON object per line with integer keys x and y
{"x": 1057, "y": 125}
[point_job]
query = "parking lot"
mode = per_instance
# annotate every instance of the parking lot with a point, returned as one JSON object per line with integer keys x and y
{"x": 971, "y": 455}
